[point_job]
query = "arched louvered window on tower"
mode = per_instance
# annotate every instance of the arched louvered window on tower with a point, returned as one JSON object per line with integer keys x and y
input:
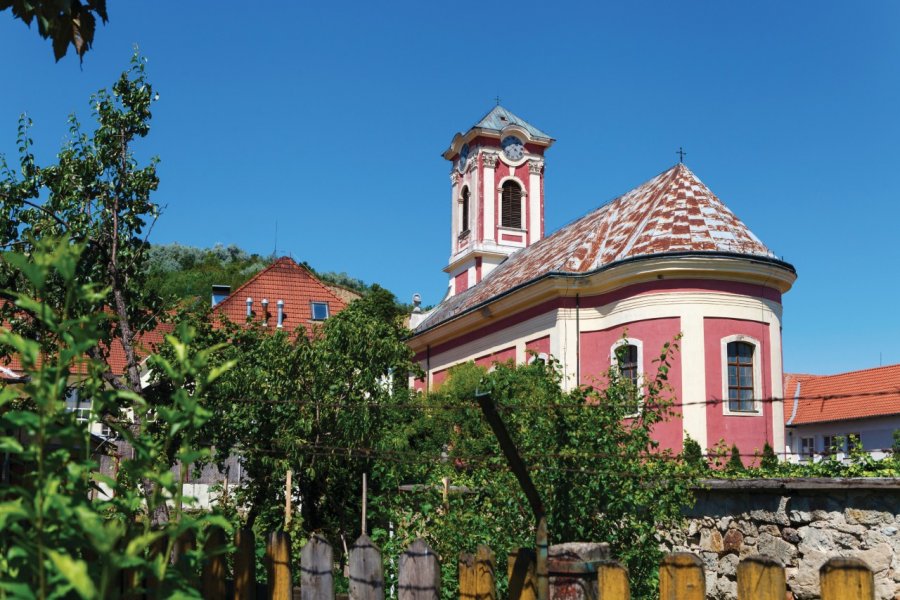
{"x": 511, "y": 205}
{"x": 464, "y": 211}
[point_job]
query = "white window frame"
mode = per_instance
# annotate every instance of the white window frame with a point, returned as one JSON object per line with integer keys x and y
{"x": 810, "y": 452}
{"x": 312, "y": 312}
{"x": 757, "y": 377}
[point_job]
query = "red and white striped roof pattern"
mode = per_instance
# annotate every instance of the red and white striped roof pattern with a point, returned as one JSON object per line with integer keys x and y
{"x": 854, "y": 395}
{"x": 673, "y": 212}
{"x": 282, "y": 280}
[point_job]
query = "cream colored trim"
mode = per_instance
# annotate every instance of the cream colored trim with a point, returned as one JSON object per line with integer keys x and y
{"x": 488, "y": 203}
{"x": 681, "y": 267}
{"x": 613, "y": 359}
{"x": 757, "y": 377}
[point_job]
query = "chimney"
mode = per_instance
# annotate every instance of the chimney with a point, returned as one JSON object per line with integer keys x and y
{"x": 219, "y": 293}
{"x": 265, "y": 315}
{"x": 249, "y": 307}
{"x": 281, "y": 313}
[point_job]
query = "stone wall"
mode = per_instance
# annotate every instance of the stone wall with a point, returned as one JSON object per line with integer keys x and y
{"x": 799, "y": 522}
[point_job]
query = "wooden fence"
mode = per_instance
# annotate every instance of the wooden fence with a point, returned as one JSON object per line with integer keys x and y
{"x": 681, "y": 575}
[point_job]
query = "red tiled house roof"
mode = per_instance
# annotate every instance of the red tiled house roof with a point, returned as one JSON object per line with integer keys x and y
{"x": 845, "y": 396}
{"x": 673, "y": 212}
{"x": 282, "y": 280}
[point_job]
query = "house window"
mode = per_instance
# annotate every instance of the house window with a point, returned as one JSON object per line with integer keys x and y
{"x": 511, "y": 205}
{"x": 319, "y": 311}
{"x": 464, "y": 211}
{"x": 831, "y": 444}
{"x": 807, "y": 447}
{"x": 740, "y": 377}
{"x": 80, "y": 407}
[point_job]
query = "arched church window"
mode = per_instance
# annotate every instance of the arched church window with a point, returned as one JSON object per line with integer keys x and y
{"x": 511, "y": 205}
{"x": 740, "y": 377}
{"x": 464, "y": 211}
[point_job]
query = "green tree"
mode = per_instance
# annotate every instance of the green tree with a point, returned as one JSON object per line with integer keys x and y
{"x": 735, "y": 464}
{"x": 97, "y": 196}
{"x": 601, "y": 474}
{"x": 62, "y": 533}
{"x": 64, "y": 22}
{"x": 692, "y": 454}
{"x": 769, "y": 460}
{"x": 323, "y": 403}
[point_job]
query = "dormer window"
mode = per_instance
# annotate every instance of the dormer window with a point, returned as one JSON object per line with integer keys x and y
{"x": 511, "y": 205}
{"x": 319, "y": 311}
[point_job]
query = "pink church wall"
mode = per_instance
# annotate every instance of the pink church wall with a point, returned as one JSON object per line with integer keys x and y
{"x": 539, "y": 346}
{"x": 653, "y": 333}
{"x": 748, "y": 432}
{"x": 461, "y": 282}
{"x": 500, "y": 356}
{"x": 438, "y": 378}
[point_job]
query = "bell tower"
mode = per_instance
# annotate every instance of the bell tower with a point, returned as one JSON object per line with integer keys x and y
{"x": 497, "y": 194}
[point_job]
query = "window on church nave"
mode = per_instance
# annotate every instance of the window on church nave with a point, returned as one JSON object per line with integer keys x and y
{"x": 740, "y": 377}
{"x": 464, "y": 211}
{"x": 511, "y": 205}
{"x": 627, "y": 359}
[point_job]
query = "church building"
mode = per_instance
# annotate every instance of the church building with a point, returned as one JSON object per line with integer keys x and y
{"x": 666, "y": 259}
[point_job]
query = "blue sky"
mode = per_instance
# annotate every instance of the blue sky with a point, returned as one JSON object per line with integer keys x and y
{"x": 331, "y": 117}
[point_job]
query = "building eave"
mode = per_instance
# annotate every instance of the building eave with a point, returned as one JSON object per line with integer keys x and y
{"x": 762, "y": 270}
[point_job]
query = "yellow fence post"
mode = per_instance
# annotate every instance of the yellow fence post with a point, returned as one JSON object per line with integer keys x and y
{"x": 244, "y": 565}
{"x": 214, "y": 566}
{"x": 485, "y": 567}
{"x": 466, "y": 576}
{"x": 520, "y": 571}
{"x": 278, "y": 555}
{"x": 681, "y": 577}
{"x": 612, "y": 581}
{"x": 760, "y": 578}
{"x": 846, "y": 579}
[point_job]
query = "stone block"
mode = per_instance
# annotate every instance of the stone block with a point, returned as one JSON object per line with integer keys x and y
{"x": 776, "y": 548}
{"x": 711, "y": 541}
{"x": 790, "y": 535}
{"x": 733, "y": 540}
{"x": 878, "y": 558}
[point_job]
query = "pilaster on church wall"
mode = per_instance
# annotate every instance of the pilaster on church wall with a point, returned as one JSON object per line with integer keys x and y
{"x": 454, "y": 209}
{"x": 535, "y": 199}
{"x": 488, "y": 194}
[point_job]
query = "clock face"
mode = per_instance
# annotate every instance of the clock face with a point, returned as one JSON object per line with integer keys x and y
{"x": 463, "y": 157}
{"x": 513, "y": 147}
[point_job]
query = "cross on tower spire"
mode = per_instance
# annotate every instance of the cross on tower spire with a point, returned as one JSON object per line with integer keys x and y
{"x": 497, "y": 100}
{"x": 681, "y": 154}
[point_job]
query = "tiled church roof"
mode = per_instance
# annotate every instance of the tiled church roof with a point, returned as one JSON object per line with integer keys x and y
{"x": 854, "y": 395}
{"x": 673, "y": 212}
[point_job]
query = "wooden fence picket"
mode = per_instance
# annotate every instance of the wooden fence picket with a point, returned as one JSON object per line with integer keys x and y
{"x": 681, "y": 577}
{"x": 466, "y": 568}
{"x": 847, "y": 579}
{"x": 366, "y": 570}
{"x": 612, "y": 582}
{"x": 761, "y": 578}
{"x": 244, "y": 565}
{"x": 278, "y": 559}
{"x": 215, "y": 567}
{"x": 419, "y": 575}
{"x": 485, "y": 569}
{"x": 521, "y": 574}
{"x": 316, "y": 564}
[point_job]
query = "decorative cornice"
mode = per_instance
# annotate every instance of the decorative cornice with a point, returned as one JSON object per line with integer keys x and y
{"x": 535, "y": 166}
{"x": 454, "y": 177}
{"x": 490, "y": 159}
{"x": 470, "y": 166}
